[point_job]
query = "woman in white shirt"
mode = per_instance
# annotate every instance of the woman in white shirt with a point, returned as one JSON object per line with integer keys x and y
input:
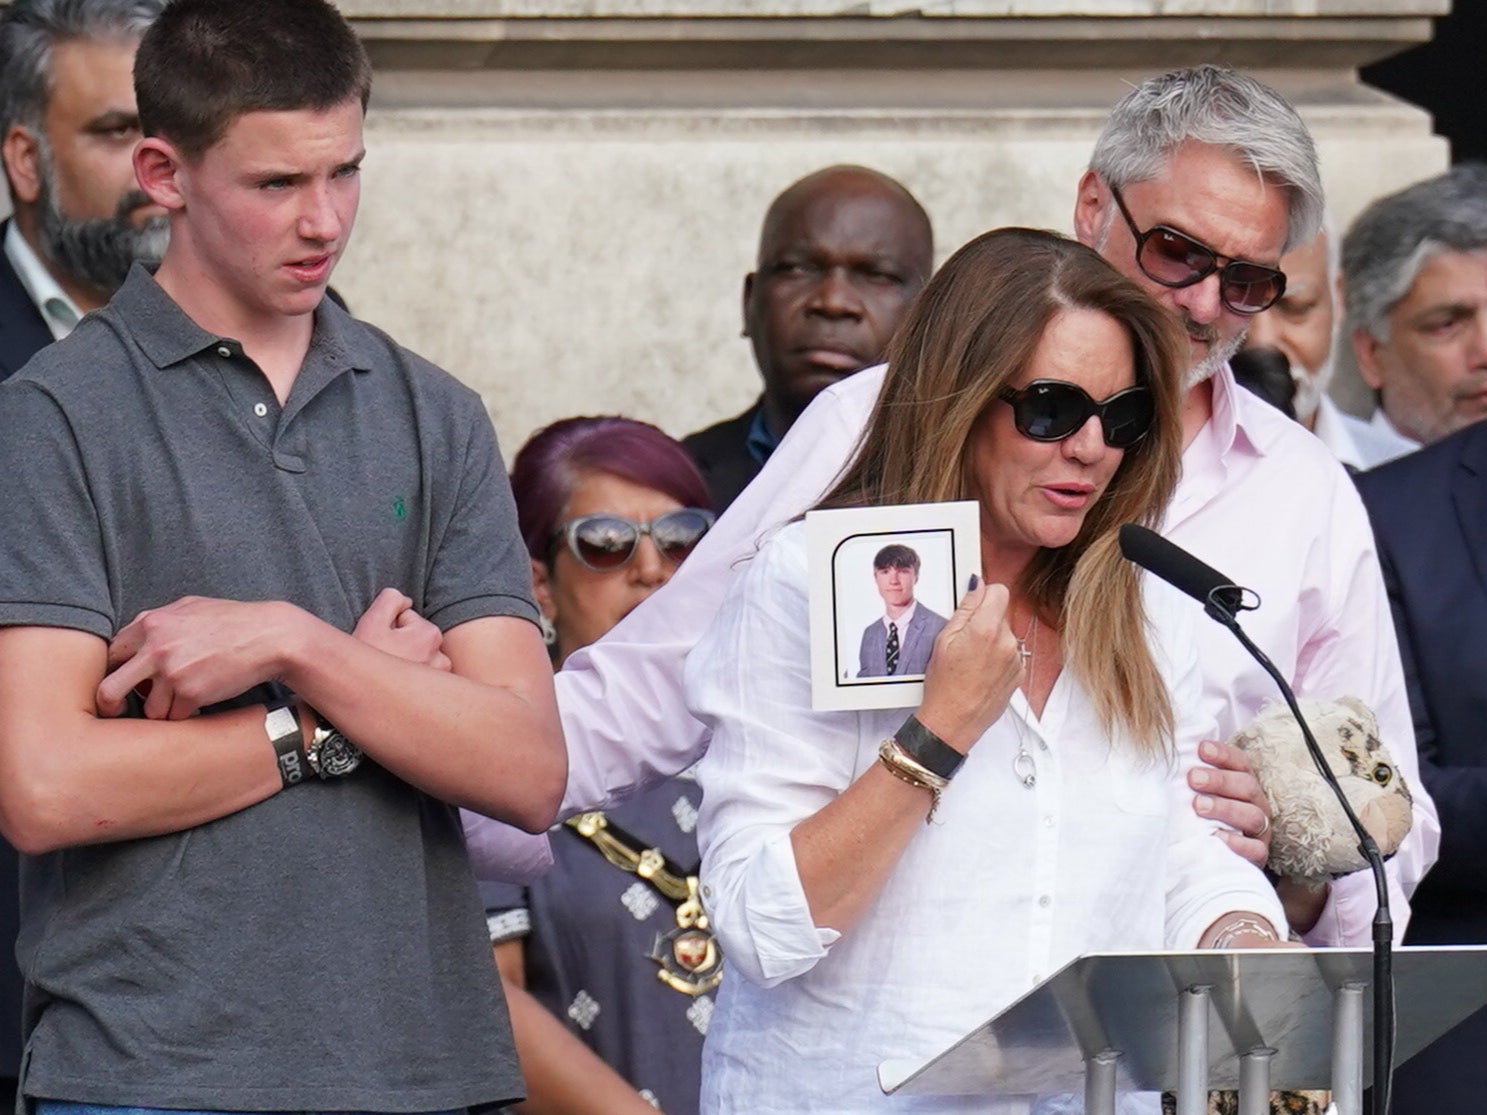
{"x": 1050, "y": 742}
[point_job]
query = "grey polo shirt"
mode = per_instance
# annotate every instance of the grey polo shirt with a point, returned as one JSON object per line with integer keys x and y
{"x": 324, "y": 949}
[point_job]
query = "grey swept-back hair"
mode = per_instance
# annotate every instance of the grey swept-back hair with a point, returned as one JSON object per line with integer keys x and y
{"x": 1219, "y": 106}
{"x": 31, "y": 29}
{"x": 1396, "y": 236}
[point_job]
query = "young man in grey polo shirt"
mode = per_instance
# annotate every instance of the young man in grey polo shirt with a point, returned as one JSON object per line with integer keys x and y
{"x": 272, "y": 537}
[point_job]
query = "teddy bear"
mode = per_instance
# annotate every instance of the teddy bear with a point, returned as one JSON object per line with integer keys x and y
{"x": 1312, "y": 841}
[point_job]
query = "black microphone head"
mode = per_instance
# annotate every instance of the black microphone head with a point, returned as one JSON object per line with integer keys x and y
{"x": 1179, "y": 569}
{"x": 1135, "y": 542}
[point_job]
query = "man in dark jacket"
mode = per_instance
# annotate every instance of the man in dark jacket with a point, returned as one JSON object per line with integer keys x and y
{"x": 841, "y": 255}
{"x": 68, "y": 126}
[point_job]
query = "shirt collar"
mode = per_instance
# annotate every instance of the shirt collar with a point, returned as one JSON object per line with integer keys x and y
{"x": 1237, "y": 424}
{"x": 761, "y": 441}
{"x": 168, "y": 335}
{"x": 1232, "y": 421}
{"x": 1335, "y": 434}
{"x": 903, "y": 620}
{"x": 1402, "y": 442}
{"x": 60, "y": 312}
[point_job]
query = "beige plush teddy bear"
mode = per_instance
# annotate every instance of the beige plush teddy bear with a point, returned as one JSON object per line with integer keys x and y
{"x": 1312, "y": 840}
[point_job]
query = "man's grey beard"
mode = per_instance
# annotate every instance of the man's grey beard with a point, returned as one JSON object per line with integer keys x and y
{"x": 1310, "y": 387}
{"x": 98, "y": 253}
{"x": 1218, "y": 356}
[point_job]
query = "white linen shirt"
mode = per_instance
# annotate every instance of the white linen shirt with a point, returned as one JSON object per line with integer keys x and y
{"x": 1259, "y": 498}
{"x": 1103, "y": 853}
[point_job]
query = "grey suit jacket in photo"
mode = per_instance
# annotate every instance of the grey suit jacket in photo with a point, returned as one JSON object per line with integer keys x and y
{"x": 914, "y": 645}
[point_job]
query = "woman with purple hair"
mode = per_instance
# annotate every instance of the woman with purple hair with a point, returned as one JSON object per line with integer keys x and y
{"x": 608, "y": 973}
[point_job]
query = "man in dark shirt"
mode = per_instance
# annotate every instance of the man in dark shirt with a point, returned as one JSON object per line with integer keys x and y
{"x": 264, "y": 611}
{"x": 841, "y": 255}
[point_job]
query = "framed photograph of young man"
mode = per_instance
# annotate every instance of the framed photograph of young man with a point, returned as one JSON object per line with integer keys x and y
{"x": 883, "y": 583}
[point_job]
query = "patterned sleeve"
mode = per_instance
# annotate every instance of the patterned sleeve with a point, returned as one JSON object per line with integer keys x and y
{"x": 506, "y": 913}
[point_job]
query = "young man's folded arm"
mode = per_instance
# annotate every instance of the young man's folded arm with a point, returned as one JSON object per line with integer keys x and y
{"x": 468, "y": 716}
{"x": 483, "y": 735}
{"x": 69, "y": 776}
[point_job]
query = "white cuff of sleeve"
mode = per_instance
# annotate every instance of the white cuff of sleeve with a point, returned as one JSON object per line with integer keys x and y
{"x": 767, "y": 929}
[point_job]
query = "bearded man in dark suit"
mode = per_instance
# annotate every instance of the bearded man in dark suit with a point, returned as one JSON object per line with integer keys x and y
{"x": 68, "y": 126}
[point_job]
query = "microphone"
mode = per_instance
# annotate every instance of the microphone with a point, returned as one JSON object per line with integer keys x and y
{"x": 1222, "y": 599}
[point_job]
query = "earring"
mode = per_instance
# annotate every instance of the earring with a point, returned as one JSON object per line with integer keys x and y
{"x": 549, "y": 632}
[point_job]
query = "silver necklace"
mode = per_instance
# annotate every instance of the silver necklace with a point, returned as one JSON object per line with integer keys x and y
{"x": 1027, "y": 645}
{"x": 1023, "y": 766}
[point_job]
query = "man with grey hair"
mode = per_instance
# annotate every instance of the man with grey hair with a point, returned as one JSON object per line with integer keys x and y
{"x": 1302, "y": 329}
{"x": 1201, "y": 181}
{"x": 1415, "y": 284}
{"x": 67, "y": 131}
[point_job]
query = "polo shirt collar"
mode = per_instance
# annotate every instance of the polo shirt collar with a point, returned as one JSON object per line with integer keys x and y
{"x": 168, "y": 335}
{"x": 339, "y": 340}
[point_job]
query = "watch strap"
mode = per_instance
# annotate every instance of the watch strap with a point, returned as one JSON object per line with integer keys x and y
{"x": 928, "y": 749}
{"x": 281, "y": 722}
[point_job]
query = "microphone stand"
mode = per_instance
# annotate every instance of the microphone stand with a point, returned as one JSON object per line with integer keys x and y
{"x": 1222, "y": 604}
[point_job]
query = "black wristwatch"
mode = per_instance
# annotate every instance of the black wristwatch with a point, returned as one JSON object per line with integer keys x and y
{"x": 331, "y": 754}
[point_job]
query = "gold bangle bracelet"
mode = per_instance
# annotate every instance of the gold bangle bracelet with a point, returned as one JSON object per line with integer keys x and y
{"x": 891, "y": 751}
{"x": 904, "y": 771}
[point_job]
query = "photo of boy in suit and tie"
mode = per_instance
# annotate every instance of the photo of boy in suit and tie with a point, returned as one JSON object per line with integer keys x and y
{"x": 899, "y": 644}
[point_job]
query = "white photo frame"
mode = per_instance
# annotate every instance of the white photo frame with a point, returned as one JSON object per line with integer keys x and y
{"x": 847, "y": 661}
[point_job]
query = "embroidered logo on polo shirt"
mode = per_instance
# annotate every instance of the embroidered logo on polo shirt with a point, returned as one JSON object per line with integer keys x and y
{"x": 400, "y": 509}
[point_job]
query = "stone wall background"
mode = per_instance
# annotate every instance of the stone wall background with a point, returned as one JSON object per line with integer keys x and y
{"x": 562, "y": 197}
{"x": 568, "y": 266}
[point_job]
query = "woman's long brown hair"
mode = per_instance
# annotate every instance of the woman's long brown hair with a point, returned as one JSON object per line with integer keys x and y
{"x": 972, "y": 330}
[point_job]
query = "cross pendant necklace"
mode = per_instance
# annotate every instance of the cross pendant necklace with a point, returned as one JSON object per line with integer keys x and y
{"x": 1023, "y": 766}
{"x": 1027, "y": 645}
